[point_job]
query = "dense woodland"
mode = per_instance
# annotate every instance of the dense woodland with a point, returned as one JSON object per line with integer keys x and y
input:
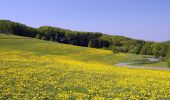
{"x": 87, "y": 39}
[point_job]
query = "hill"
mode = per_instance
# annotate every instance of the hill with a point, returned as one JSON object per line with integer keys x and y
{"x": 41, "y": 47}
{"x": 86, "y": 39}
{"x": 14, "y": 42}
{"x": 37, "y": 69}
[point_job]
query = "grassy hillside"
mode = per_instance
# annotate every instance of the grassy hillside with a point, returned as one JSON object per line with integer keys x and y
{"x": 40, "y": 48}
{"x": 86, "y": 39}
{"x": 36, "y": 69}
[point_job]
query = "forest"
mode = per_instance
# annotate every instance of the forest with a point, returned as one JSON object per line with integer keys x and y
{"x": 88, "y": 39}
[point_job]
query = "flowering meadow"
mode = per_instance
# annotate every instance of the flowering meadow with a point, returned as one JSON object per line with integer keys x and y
{"x": 50, "y": 71}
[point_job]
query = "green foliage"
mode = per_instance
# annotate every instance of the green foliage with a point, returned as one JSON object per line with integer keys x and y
{"x": 41, "y": 48}
{"x": 98, "y": 43}
{"x": 7, "y": 26}
{"x": 159, "y": 49}
{"x": 146, "y": 48}
{"x": 113, "y": 49}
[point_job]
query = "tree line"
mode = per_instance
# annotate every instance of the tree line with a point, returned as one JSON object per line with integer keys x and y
{"x": 87, "y": 39}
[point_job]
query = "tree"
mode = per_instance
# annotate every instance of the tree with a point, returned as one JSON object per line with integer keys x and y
{"x": 91, "y": 44}
{"x": 103, "y": 43}
{"x": 94, "y": 43}
{"x": 146, "y": 49}
{"x": 38, "y": 36}
{"x": 159, "y": 50}
{"x": 113, "y": 48}
{"x": 156, "y": 50}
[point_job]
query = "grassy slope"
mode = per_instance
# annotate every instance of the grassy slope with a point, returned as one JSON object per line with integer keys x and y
{"x": 160, "y": 64}
{"x": 40, "y": 47}
{"x": 31, "y": 68}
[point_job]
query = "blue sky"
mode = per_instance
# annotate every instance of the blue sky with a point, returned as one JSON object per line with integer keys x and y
{"x": 141, "y": 19}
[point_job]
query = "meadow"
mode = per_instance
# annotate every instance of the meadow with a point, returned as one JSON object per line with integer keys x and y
{"x": 37, "y": 69}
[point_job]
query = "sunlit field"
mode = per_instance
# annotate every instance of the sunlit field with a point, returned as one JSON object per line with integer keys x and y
{"x": 36, "y": 69}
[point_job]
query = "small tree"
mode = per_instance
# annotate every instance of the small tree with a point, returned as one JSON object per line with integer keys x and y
{"x": 90, "y": 44}
{"x": 113, "y": 48}
{"x": 38, "y": 36}
{"x": 156, "y": 50}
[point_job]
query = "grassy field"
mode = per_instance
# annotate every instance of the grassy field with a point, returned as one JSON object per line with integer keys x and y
{"x": 36, "y": 69}
{"x": 161, "y": 64}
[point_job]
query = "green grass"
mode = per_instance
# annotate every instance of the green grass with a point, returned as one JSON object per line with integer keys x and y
{"x": 10, "y": 36}
{"x": 41, "y": 47}
{"x": 146, "y": 63}
{"x": 158, "y": 64}
{"x": 33, "y": 69}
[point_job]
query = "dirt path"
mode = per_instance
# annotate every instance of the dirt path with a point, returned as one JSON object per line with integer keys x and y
{"x": 130, "y": 66}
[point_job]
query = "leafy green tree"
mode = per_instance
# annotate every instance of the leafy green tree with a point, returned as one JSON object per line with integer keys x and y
{"x": 146, "y": 49}
{"x": 159, "y": 49}
{"x": 156, "y": 50}
{"x": 113, "y": 48}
